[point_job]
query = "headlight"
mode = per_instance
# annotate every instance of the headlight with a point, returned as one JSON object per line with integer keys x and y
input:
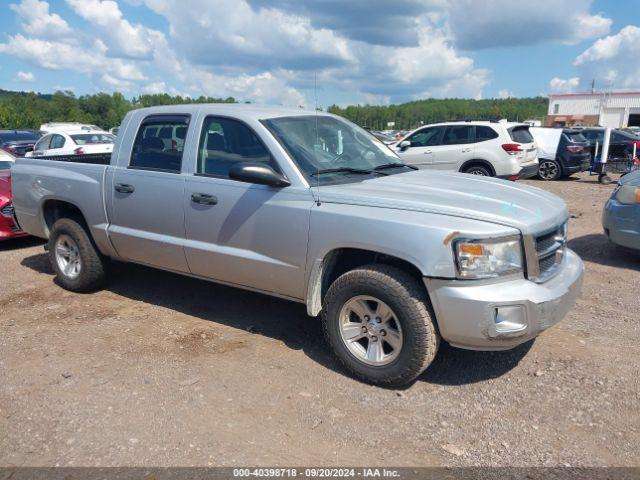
{"x": 488, "y": 258}
{"x": 628, "y": 194}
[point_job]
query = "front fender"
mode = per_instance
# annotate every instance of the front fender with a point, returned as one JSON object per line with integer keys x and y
{"x": 419, "y": 238}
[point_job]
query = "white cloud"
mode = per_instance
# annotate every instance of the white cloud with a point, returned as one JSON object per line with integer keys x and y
{"x": 35, "y": 18}
{"x": 613, "y": 61}
{"x": 505, "y": 93}
{"x": 25, "y": 77}
{"x": 493, "y": 23}
{"x": 234, "y": 32}
{"x": 564, "y": 85}
{"x": 155, "y": 87}
{"x": 433, "y": 58}
{"x": 121, "y": 38}
{"x": 63, "y": 56}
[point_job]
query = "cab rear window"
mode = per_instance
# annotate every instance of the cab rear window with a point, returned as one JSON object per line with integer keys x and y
{"x": 521, "y": 134}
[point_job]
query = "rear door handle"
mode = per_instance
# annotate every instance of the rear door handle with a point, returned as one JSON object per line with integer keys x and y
{"x": 124, "y": 188}
{"x": 204, "y": 199}
{"x": 428, "y": 152}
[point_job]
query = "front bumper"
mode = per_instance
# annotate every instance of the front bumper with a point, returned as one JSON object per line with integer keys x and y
{"x": 622, "y": 223}
{"x": 499, "y": 316}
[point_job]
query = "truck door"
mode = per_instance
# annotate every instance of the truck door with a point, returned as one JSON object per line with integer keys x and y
{"x": 241, "y": 233}
{"x": 423, "y": 149}
{"x": 147, "y": 188}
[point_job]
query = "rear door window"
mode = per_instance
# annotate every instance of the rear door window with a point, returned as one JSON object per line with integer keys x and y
{"x": 458, "y": 135}
{"x": 154, "y": 149}
{"x": 521, "y": 134}
{"x": 427, "y": 137}
{"x": 484, "y": 133}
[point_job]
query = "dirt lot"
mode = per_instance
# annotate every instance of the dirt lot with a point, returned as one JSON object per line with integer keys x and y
{"x": 159, "y": 369}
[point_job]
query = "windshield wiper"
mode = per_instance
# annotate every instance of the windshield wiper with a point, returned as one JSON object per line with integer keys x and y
{"x": 394, "y": 165}
{"x": 341, "y": 170}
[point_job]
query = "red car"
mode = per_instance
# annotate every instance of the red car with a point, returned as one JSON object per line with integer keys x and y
{"x": 8, "y": 228}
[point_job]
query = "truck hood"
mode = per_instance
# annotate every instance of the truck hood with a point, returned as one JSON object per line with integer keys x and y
{"x": 529, "y": 209}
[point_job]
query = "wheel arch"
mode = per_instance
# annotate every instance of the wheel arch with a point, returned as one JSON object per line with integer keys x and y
{"x": 478, "y": 161}
{"x": 54, "y": 209}
{"x": 341, "y": 260}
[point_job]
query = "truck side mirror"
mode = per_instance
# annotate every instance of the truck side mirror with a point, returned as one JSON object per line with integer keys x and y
{"x": 258, "y": 173}
{"x": 404, "y": 145}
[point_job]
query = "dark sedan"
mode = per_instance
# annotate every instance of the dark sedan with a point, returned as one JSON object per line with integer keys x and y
{"x": 18, "y": 142}
{"x": 620, "y": 145}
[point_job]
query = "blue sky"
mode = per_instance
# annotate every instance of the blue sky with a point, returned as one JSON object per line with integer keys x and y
{"x": 359, "y": 51}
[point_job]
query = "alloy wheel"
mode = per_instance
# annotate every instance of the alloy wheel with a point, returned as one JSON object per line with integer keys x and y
{"x": 548, "y": 170}
{"x": 68, "y": 256}
{"x": 370, "y": 330}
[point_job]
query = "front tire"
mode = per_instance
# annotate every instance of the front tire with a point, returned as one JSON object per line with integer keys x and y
{"x": 379, "y": 323}
{"x": 549, "y": 170}
{"x": 79, "y": 267}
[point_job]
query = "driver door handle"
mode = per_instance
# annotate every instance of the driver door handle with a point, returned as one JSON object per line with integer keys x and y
{"x": 427, "y": 152}
{"x": 204, "y": 199}
{"x": 124, "y": 188}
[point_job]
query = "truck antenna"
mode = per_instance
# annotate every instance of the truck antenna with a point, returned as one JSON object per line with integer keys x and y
{"x": 315, "y": 101}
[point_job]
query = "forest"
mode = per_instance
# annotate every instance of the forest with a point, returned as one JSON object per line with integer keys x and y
{"x": 30, "y": 110}
{"x": 422, "y": 112}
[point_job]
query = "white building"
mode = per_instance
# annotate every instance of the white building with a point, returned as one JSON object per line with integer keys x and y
{"x": 611, "y": 109}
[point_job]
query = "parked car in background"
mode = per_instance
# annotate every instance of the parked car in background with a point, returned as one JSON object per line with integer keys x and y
{"x": 386, "y": 139}
{"x": 73, "y": 143}
{"x": 620, "y": 145}
{"x": 18, "y": 142}
{"x": 561, "y": 152}
{"x": 114, "y": 130}
{"x": 492, "y": 149}
{"x": 621, "y": 215}
{"x": 68, "y": 126}
{"x": 8, "y": 227}
{"x": 632, "y": 130}
{"x": 307, "y": 206}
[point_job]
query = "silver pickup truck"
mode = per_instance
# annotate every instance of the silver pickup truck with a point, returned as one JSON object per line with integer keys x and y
{"x": 309, "y": 207}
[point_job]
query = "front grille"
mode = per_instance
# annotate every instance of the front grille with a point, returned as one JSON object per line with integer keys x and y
{"x": 550, "y": 247}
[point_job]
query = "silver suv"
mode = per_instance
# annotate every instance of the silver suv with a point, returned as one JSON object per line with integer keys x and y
{"x": 493, "y": 149}
{"x": 309, "y": 207}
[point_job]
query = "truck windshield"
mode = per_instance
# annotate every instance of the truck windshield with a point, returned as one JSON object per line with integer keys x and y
{"x": 333, "y": 149}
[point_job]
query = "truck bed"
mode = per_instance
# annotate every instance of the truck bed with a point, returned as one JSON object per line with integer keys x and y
{"x": 42, "y": 184}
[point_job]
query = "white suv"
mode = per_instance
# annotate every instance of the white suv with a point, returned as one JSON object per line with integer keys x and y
{"x": 494, "y": 149}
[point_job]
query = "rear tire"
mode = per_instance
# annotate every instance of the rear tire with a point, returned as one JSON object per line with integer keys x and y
{"x": 405, "y": 340}
{"x": 549, "y": 170}
{"x": 78, "y": 265}
{"x": 480, "y": 170}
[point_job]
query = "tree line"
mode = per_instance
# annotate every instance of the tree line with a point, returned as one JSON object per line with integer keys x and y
{"x": 30, "y": 110}
{"x": 422, "y": 112}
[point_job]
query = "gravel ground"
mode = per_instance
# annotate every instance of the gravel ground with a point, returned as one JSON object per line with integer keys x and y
{"x": 164, "y": 370}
